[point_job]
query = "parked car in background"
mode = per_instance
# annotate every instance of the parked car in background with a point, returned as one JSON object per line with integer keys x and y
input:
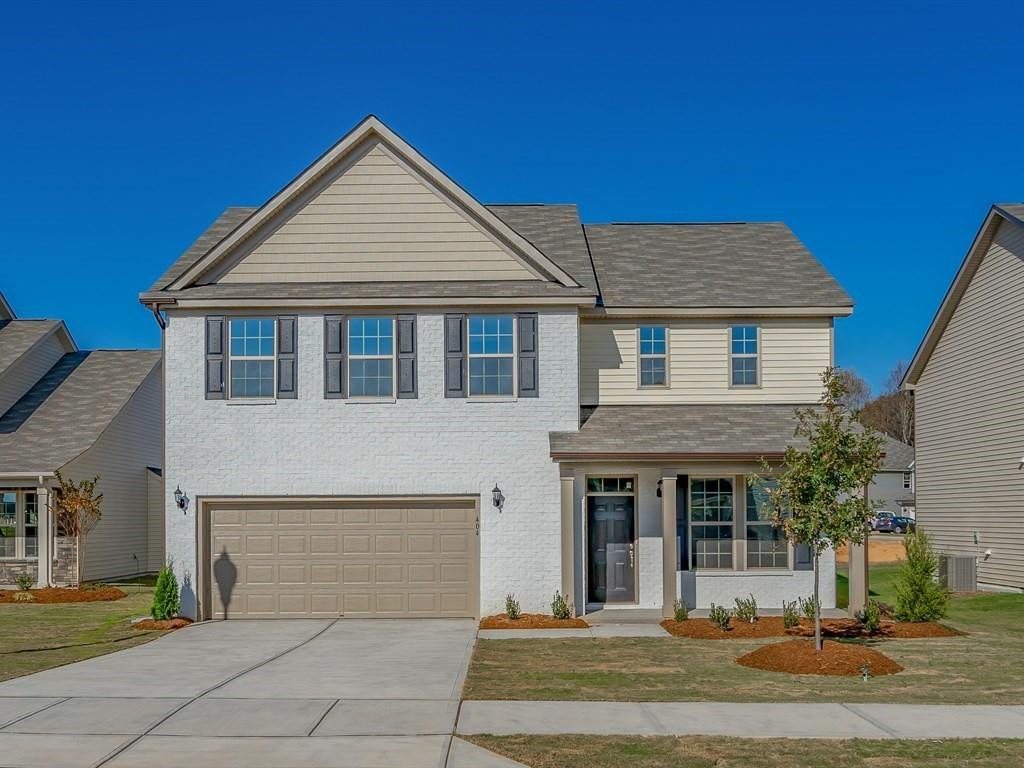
{"x": 882, "y": 521}
{"x": 903, "y": 524}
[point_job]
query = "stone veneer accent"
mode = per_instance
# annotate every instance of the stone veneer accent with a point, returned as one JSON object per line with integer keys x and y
{"x": 65, "y": 561}
{"x": 10, "y": 570}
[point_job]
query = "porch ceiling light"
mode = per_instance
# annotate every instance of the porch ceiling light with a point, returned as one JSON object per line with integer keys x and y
{"x": 497, "y": 497}
{"x": 180, "y": 499}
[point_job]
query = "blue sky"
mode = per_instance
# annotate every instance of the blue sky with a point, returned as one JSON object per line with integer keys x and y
{"x": 879, "y": 132}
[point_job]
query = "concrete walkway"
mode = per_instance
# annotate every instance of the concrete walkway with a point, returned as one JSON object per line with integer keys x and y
{"x": 798, "y": 721}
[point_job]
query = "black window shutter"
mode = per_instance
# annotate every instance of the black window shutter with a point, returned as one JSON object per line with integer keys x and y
{"x": 802, "y": 558}
{"x": 529, "y": 375}
{"x": 216, "y": 361}
{"x": 406, "y": 343}
{"x": 454, "y": 355}
{"x": 334, "y": 356}
{"x": 287, "y": 357}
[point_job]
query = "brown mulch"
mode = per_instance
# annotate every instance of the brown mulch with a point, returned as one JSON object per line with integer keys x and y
{"x": 531, "y": 621}
{"x": 162, "y": 625}
{"x": 798, "y": 657}
{"x": 771, "y": 626}
{"x": 65, "y": 595}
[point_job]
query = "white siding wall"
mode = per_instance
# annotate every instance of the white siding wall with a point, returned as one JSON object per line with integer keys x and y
{"x": 970, "y": 419}
{"x": 155, "y": 523}
{"x": 430, "y": 445}
{"x": 22, "y": 376}
{"x": 794, "y": 352}
{"x": 130, "y": 443}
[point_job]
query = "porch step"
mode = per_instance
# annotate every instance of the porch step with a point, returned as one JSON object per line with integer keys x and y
{"x": 624, "y": 616}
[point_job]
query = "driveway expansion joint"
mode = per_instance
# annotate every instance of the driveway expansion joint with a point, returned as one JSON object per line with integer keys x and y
{"x": 858, "y": 712}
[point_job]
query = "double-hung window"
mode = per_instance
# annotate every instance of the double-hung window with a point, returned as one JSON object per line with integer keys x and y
{"x": 907, "y": 481}
{"x": 371, "y": 364}
{"x": 711, "y": 522}
{"x": 252, "y": 364}
{"x": 653, "y": 355}
{"x": 766, "y": 542}
{"x": 19, "y": 524}
{"x": 744, "y": 341}
{"x": 491, "y": 356}
{"x": 8, "y": 524}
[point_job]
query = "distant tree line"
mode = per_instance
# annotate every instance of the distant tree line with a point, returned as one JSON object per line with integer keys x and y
{"x": 891, "y": 412}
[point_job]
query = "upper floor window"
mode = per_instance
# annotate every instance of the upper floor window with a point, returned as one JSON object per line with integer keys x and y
{"x": 371, "y": 364}
{"x": 743, "y": 353}
{"x": 907, "y": 482}
{"x": 491, "y": 356}
{"x": 251, "y": 351}
{"x": 653, "y": 356}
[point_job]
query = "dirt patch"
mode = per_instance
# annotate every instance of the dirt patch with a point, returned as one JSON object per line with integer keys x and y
{"x": 880, "y": 550}
{"x": 531, "y": 621}
{"x": 161, "y": 625}
{"x": 798, "y": 657}
{"x": 772, "y": 626}
{"x": 65, "y": 595}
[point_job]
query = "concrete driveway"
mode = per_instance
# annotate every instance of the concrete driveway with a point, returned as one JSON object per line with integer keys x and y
{"x": 251, "y": 694}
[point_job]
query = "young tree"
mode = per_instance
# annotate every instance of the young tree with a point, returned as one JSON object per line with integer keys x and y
{"x": 76, "y": 509}
{"x": 819, "y": 500}
{"x": 918, "y": 596}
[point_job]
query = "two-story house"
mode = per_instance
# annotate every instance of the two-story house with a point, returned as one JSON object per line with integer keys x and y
{"x": 384, "y": 398}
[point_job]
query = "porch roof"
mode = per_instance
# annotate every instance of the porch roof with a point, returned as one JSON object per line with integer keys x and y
{"x": 666, "y": 432}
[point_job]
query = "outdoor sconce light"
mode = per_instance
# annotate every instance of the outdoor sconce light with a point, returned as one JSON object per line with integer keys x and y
{"x": 658, "y": 491}
{"x": 180, "y": 499}
{"x": 498, "y": 497}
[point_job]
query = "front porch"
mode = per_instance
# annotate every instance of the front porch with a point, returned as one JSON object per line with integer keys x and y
{"x": 30, "y": 545}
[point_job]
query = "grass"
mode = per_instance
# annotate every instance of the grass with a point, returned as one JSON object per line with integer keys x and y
{"x": 881, "y": 583}
{"x": 984, "y": 666}
{"x": 705, "y": 752}
{"x": 38, "y": 637}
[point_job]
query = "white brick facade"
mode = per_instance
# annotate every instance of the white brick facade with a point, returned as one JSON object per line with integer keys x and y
{"x": 429, "y": 445}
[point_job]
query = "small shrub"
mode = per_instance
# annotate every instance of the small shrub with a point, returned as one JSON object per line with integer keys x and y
{"x": 870, "y": 616}
{"x": 918, "y": 596}
{"x": 93, "y": 585}
{"x": 790, "y": 614}
{"x": 512, "y": 609}
{"x": 24, "y": 596}
{"x": 807, "y": 607}
{"x": 559, "y": 607}
{"x": 682, "y": 612}
{"x": 746, "y": 609}
{"x": 166, "y": 601}
{"x": 719, "y": 616}
{"x": 25, "y": 582}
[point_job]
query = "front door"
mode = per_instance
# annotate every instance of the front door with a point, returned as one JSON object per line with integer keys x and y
{"x": 612, "y": 557}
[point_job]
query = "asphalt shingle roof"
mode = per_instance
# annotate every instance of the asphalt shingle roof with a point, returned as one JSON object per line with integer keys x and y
{"x": 216, "y": 232}
{"x": 19, "y": 336}
{"x": 68, "y": 408}
{"x": 1013, "y": 209}
{"x": 898, "y": 456}
{"x": 557, "y": 232}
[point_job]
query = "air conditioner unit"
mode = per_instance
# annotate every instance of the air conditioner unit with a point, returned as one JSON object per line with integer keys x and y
{"x": 958, "y": 572}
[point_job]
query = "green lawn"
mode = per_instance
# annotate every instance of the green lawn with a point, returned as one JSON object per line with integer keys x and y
{"x": 37, "y": 637}
{"x": 985, "y": 666}
{"x": 881, "y": 583}
{"x": 719, "y": 752}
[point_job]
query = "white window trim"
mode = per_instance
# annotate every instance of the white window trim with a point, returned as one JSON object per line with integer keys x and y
{"x": 690, "y": 523}
{"x": 514, "y": 355}
{"x": 745, "y": 355}
{"x": 640, "y": 356}
{"x": 19, "y": 525}
{"x": 908, "y": 481}
{"x": 272, "y": 358}
{"x": 393, "y": 357}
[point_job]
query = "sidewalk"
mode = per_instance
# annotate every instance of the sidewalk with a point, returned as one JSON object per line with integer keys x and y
{"x": 798, "y": 721}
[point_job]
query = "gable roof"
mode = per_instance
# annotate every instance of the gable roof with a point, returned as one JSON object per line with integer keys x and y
{"x": 6, "y": 310}
{"x": 997, "y": 214}
{"x": 371, "y": 129}
{"x": 225, "y": 223}
{"x": 899, "y": 457}
{"x": 68, "y": 408}
{"x": 18, "y": 337}
{"x": 731, "y": 264}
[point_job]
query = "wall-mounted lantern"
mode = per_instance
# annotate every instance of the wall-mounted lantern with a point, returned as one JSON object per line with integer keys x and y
{"x": 180, "y": 499}
{"x": 497, "y": 497}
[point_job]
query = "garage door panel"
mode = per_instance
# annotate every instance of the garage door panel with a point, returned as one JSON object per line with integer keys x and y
{"x": 389, "y": 559}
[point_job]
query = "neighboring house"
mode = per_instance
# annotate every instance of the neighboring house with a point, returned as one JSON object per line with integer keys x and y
{"x": 384, "y": 398}
{"x": 84, "y": 413}
{"x": 969, "y": 403}
{"x": 892, "y": 489}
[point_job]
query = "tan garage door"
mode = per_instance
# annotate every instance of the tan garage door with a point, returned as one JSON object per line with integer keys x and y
{"x": 366, "y": 558}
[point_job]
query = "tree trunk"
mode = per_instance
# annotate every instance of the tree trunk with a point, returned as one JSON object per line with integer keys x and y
{"x": 817, "y": 606}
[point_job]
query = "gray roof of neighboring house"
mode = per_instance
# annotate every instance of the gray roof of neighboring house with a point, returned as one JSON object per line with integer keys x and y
{"x": 68, "y": 408}
{"x": 684, "y": 430}
{"x": 737, "y": 264}
{"x": 19, "y": 336}
{"x": 898, "y": 456}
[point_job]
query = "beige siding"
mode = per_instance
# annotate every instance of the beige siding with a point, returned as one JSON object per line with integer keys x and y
{"x": 794, "y": 352}
{"x": 376, "y": 220}
{"x": 131, "y": 443}
{"x": 155, "y": 524}
{"x": 20, "y": 377}
{"x": 970, "y": 419}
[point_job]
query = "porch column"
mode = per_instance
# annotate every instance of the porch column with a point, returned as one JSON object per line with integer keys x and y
{"x": 44, "y": 563}
{"x": 668, "y": 543}
{"x": 857, "y": 572}
{"x": 568, "y": 547}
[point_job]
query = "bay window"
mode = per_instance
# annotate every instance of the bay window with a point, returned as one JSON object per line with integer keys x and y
{"x": 19, "y": 524}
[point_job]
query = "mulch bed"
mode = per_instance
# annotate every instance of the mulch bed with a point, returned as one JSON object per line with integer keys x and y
{"x": 531, "y": 621}
{"x": 161, "y": 625}
{"x": 771, "y": 626}
{"x": 65, "y": 595}
{"x": 798, "y": 657}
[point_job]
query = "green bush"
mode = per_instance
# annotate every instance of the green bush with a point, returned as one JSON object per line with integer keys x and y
{"x": 746, "y": 609}
{"x": 682, "y": 611}
{"x": 790, "y": 614}
{"x": 512, "y": 609}
{"x": 918, "y": 596}
{"x": 25, "y": 582}
{"x": 166, "y": 601}
{"x": 719, "y": 616}
{"x": 870, "y": 616}
{"x": 559, "y": 607}
{"x": 807, "y": 607}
